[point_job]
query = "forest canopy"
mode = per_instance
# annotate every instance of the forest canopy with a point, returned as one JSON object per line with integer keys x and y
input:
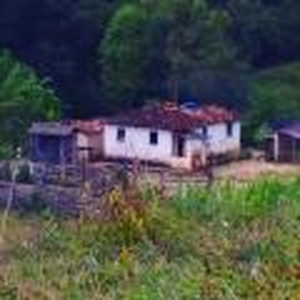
{"x": 103, "y": 56}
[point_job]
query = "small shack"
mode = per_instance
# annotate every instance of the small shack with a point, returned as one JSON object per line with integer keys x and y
{"x": 283, "y": 142}
{"x": 65, "y": 143}
{"x": 52, "y": 143}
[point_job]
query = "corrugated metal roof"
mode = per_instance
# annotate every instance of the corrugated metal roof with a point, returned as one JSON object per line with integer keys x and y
{"x": 51, "y": 128}
{"x": 292, "y": 130}
{"x": 67, "y": 128}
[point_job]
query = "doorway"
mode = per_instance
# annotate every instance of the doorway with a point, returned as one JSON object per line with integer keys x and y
{"x": 179, "y": 143}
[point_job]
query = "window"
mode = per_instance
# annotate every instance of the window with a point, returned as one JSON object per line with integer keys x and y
{"x": 121, "y": 133}
{"x": 229, "y": 129}
{"x": 153, "y": 138}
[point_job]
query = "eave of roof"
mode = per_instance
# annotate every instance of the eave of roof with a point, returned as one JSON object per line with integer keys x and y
{"x": 173, "y": 118}
{"x": 51, "y": 129}
{"x": 67, "y": 128}
{"x": 291, "y": 131}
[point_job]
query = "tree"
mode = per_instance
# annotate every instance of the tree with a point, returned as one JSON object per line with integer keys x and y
{"x": 196, "y": 40}
{"x": 274, "y": 96}
{"x": 151, "y": 46}
{"x": 23, "y": 98}
{"x": 266, "y": 32}
{"x": 124, "y": 55}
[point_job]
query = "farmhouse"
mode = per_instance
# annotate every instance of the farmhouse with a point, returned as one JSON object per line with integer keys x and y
{"x": 283, "y": 141}
{"x": 66, "y": 142}
{"x": 178, "y": 136}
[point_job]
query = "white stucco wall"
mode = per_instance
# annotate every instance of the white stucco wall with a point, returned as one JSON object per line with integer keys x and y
{"x": 137, "y": 144}
{"x": 90, "y": 145}
{"x": 220, "y": 142}
{"x": 82, "y": 140}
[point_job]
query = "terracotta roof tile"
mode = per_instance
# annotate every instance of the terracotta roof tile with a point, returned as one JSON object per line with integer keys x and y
{"x": 168, "y": 116}
{"x": 88, "y": 126}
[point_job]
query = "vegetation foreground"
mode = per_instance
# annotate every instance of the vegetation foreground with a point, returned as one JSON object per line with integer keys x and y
{"x": 233, "y": 242}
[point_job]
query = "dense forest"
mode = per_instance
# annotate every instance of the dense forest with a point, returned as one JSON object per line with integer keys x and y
{"x": 102, "y": 56}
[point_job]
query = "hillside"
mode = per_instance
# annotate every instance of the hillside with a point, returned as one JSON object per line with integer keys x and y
{"x": 234, "y": 242}
{"x": 103, "y": 56}
{"x": 274, "y": 94}
{"x": 277, "y": 91}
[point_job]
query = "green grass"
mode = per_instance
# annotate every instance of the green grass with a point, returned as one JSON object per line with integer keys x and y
{"x": 233, "y": 242}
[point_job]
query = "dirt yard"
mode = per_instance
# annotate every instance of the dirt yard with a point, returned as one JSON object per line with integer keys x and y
{"x": 251, "y": 169}
{"x": 241, "y": 171}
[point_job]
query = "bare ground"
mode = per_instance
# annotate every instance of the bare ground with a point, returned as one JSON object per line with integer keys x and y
{"x": 241, "y": 171}
{"x": 252, "y": 169}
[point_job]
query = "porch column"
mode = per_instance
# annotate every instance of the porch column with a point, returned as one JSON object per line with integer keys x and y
{"x": 294, "y": 149}
{"x": 62, "y": 156}
{"x": 276, "y": 147}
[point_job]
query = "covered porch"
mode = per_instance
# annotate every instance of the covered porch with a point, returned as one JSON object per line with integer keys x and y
{"x": 52, "y": 143}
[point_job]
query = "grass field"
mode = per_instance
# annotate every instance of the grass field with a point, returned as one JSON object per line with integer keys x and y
{"x": 232, "y": 242}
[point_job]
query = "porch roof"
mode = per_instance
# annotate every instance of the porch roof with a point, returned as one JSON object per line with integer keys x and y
{"x": 292, "y": 130}
{"x": 51, "y": 128}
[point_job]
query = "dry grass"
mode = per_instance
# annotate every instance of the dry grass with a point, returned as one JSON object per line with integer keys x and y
{"x": 252, "y": 170}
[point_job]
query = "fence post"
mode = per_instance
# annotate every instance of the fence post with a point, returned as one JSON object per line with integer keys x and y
{"x": 14, "y": 164}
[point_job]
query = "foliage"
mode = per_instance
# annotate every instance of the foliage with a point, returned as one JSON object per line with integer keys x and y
{"x": 274, "y": 96}
{"x": 123, "y": 50}
{"x": 156, "y": 45}
{"x": 233, "y": 242}
{"x": 23, "y": 99}
{"x": 176, "y": 40}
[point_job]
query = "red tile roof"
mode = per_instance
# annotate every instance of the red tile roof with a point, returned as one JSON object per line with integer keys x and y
{"x": 169, "y": 116}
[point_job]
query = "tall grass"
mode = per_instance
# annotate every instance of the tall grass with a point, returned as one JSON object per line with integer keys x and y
{"x": 234, "y": 241}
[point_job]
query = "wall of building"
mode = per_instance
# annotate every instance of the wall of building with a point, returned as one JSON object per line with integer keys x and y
{"x": 137, "y": 144}
{"x": 52, "y": 149}
{"x": 96, "y": 142}
{"x": 90, "y": 146}
{"x": 220, "y": 142}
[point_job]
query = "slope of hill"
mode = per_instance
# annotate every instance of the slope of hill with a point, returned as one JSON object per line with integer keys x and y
{"x": 275, "y": 94}
{"x": 234, "y": 242}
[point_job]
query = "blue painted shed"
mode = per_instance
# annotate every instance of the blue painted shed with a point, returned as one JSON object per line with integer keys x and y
{"x": 52, "y": 143}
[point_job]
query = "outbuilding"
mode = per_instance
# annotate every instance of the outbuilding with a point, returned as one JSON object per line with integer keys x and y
{"x": 283, "y": 142}
{"x": 66, "y": 142}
